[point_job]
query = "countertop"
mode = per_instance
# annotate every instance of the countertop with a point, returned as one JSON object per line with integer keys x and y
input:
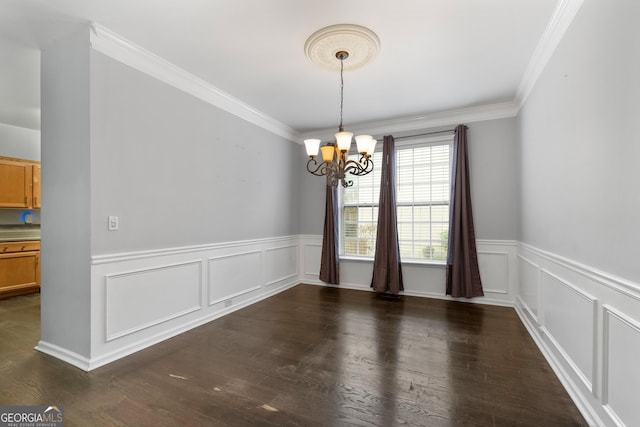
{"x": 20, "y": 232}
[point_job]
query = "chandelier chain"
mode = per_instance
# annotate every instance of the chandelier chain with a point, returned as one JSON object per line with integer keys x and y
{"x": 341, "y": 128}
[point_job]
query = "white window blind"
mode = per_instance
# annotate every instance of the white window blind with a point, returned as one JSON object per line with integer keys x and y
{"x": 423, "y": 170}
{"x": 360, "y": 212}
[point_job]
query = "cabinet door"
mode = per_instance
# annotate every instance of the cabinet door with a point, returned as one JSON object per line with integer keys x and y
{"x": 35, "y": 174}
{"x": 15, "y": 184}
{"x": 18, "y": 271}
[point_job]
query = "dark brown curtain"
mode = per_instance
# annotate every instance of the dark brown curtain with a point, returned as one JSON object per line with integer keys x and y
{"x": 330, "y": 261}
{"x": 463, "y": 274}
{"x": 387, "y": 271}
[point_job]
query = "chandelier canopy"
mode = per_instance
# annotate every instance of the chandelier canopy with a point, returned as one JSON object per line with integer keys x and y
{"x": 335, "y": 163}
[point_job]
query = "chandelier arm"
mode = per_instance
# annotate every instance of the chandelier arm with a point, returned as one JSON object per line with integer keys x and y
{"x": 321, "y": 169}
{"x": 330, "y": 169}
{"x": 347, "y": 183}
{"x": 310, "y": 169}
{"x": 358, "y": 169}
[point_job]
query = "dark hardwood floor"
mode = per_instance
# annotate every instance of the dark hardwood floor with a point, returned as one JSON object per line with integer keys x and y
{"x": 310, "y": 356}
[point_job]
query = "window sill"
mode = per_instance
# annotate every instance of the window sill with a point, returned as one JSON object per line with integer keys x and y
{"x": 413, "y": 262}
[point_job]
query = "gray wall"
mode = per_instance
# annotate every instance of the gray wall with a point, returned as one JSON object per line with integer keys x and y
{"x": 493, "y": 166}
{"x": 178, "y": 171}
{"x": 493, "y": 157}
{"x": 312, "y": 197}
{"x": 580, "y": 143}
{"x": 65, "y": 230}
{"x": 19, "y": 142}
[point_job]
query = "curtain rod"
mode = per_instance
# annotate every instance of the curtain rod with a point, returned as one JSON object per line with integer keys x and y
{"x": 424, "y": 134}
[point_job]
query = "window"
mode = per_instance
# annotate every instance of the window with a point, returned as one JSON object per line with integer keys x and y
{"x": 360, "y": 212}
{"x": 423, "y": 168}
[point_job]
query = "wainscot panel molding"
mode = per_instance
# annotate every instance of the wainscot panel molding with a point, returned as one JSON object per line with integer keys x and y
{"x": 621, "y": 348}
{"x": 123, "y": 292}
{"x": 312, "y": 255}
{"x": 281, "y": 264}
{"x": 141, "y": 298}
{"x": 497, "y": 260}
{"x": 529, "y": 278}
{"x": 587, "y": 324}
{"x": 560, "y": 324}
{"x": 245, "y": 270}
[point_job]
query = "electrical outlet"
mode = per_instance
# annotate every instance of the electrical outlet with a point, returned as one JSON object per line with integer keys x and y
{"x": 113, "y": 223}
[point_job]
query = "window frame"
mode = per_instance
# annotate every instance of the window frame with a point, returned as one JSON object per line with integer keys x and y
{"x": 400, "y": 144}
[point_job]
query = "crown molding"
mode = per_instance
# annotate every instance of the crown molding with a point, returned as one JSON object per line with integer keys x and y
{"x": 113, "y": 45}
{"x": 562, "y": 17}
{"x": 560, "y": 20}
{"x": 428, "y": 121}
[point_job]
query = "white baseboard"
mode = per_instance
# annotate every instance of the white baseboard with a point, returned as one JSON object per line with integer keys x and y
{"x": 63, "y": 354}
{"x": 432, "y": 295}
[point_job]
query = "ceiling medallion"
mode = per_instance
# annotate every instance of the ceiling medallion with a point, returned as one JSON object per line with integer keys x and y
{"x": 360, "y": 43}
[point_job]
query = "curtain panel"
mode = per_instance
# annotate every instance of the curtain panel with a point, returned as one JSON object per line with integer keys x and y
{"x": 330, "y": 259}
{"x": 463, "y": 273}
{"x": 387, "y": 270}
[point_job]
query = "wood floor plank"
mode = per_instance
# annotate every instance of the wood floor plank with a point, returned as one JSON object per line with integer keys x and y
{"x": 310, "y": 356}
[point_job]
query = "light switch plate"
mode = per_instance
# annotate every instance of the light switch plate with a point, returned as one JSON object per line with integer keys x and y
{"x": 113, "y": 223}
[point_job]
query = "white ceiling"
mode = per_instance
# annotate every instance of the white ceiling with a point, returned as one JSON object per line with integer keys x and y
{"x": 436, "y": 55}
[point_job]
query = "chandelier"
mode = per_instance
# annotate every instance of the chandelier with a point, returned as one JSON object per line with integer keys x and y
{"x": 336, "y": 165}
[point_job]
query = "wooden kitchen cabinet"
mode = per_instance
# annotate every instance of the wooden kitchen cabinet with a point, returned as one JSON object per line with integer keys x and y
{"x": 19, "y": 268}
{"x": 35, "y": 179}
{"x": 19, "y": 183}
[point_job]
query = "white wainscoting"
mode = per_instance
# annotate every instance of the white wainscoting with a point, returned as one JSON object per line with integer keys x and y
{"x": 560, "y": 324}
{"x": 497, "y": 260}
{"x": 587, "y": 324}
{"x": 124, "y": 291}
{"x": 281, "y": 264}
{"x": 530, "y": 286}
{"x": 233, "y": 275}
{"x": 621, "y": 367}
{"x": 311, "y": 252}
{"x": 142, "y": 298}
